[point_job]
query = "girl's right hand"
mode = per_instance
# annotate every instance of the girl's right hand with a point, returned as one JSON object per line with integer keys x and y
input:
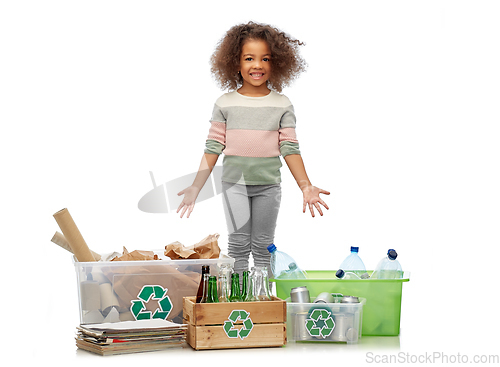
{"x": 187, "y": 204}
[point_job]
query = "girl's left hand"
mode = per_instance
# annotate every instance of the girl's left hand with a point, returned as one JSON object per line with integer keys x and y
{"x": 311, "y": 198}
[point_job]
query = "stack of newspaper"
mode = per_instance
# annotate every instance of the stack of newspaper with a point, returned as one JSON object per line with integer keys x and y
{"x": 130, "y": 336}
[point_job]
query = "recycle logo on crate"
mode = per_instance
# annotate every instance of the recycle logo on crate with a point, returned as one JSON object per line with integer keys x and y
{"x": 151, "y": 293}
{"x": 236, "y": 315}
{"x": 320, "y": 323}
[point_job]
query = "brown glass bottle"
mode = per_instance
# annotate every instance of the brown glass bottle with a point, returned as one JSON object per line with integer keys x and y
{"x": 203, "y": 287}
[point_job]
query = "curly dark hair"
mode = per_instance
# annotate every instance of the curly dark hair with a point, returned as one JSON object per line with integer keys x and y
{"x": 286, "y": 62}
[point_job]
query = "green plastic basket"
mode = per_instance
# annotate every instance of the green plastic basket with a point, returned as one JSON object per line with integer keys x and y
{"x": 382, "y": 311}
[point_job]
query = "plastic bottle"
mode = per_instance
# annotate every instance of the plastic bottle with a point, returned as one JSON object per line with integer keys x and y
{"x": 283, "y": 266}
{"x": 388, "y": 267}
{"x": 293, "y": 272}
{"x": 341, "y": 274}
{"x": 354, "y": 264}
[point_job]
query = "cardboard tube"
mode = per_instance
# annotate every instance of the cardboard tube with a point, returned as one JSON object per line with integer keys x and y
{"x": 73, "y": 236}
{"x": 108, "y": 298}
{"x": 90, "y": 295}
{"x": 60, "y": 240}
{"x": 93, "y": 317}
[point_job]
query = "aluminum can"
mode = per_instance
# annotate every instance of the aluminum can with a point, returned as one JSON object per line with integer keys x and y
{"x": 350, "y": 299}
{"x": 300, "y": 295}
{"x": 324, "y": 297}
{"x": 343, "y": 330}
{"x": 339, "y": 329}
{"x": 351, "y": 335}
{"x": 299, "y": 329}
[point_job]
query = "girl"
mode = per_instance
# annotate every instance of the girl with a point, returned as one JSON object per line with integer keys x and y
{"x": 253, "y": 125}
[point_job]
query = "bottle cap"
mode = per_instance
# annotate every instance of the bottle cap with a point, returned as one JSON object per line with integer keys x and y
{"x": 340, "y": 273}
{"x": 271, "y": 248}
{"x": 354, "y": 249}
{"x": 392, "y": 254}
{"x": 292, "y": 266}
{"x": 205, "y": 269}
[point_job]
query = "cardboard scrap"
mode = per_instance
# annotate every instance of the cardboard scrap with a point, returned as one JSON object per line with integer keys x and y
{"x": 207, "y": 248}
{"x": 129, "y": 280}
{"x": 137, "y": 255}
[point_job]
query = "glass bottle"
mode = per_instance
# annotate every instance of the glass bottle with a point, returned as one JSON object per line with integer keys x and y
{"x": 235, "y": 288}
{"x": 260, "y": 284}
{"x": 223, "y": 287}
{"x": 225, "y": 271}
{"x": 203, "y": 287}
{"x": 204, "y": 294}
{"x": 212, "y": 290}
{"x": 246, "y": 285}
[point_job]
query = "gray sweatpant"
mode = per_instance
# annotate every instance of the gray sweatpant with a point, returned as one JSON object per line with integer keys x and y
{"x": 251, "y": 213}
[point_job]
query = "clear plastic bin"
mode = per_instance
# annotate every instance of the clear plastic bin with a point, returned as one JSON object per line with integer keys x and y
{"x": 135, "y": 290}
{"x": 324, "y": 322}
{"x": 382, "y": 313}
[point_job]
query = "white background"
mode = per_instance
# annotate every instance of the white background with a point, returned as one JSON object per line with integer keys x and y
{"x": 398, "y": 116}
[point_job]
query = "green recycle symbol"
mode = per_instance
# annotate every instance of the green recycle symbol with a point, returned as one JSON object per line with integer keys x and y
{"x": 320, "y": 323}
{"x": 148, "y": 293}
{"x": 242, "y": 333}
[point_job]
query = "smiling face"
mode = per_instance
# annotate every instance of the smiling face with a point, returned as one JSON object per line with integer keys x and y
{"x": 255, "y": 67}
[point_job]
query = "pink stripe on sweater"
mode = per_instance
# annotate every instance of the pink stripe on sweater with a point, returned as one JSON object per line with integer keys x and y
{"x": 288, "y": 134}
{"x": 217, "y": 132}
{"x": 252, "y": 143}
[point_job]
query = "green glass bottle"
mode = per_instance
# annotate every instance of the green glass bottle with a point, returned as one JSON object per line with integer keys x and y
{"x": 246, "y": 286}
{"x": 212, "y": 290}
{"x": 235, "y": 288}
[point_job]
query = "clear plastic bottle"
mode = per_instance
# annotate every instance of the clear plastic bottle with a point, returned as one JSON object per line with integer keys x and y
{"x": 341, "y": 274}
{"x": 283, "y": 265}
{"x": 388, "y": 267}
{"x": 354, "y": 264}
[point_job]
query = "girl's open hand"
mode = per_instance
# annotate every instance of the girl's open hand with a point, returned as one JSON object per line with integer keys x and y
{"x": 187, "y": 204}
{"x": 311, "y": 198}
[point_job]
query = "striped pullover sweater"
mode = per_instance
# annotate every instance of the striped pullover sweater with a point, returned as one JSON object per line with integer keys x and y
{"x": 252, "y": 132}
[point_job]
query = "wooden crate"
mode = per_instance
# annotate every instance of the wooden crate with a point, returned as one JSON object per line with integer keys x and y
{"x": 227, "y": 325}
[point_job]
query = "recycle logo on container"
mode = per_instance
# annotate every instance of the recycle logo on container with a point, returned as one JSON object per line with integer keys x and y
{"x": 236, "y": 315}
{"x": 151, "y": 293}
{"x": 320, "y": 323}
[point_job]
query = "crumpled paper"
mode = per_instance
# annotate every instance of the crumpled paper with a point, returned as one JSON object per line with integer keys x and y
{"x": 207, "y": 248}
{"x": 176, "y": 250}
{"x": 137, "y": 255}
